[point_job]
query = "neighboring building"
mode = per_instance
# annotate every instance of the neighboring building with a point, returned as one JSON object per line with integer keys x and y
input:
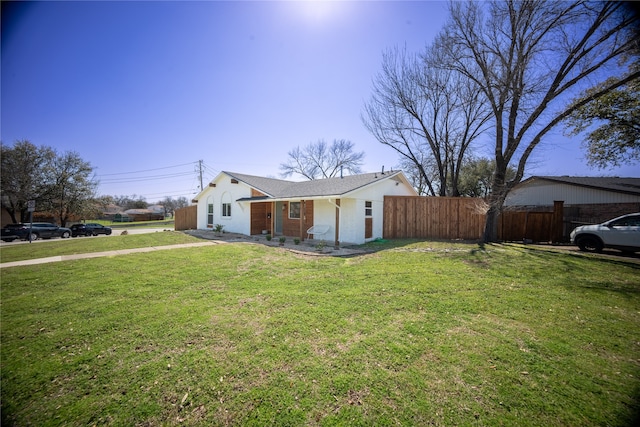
{"x": 341, "y": 209}
{"x": 585, "y": 199}
{"x": 5, "y": 218}
{"x": 159, "y": 209}
{"x": 142, "y": 215}
{"x": 110, "y": 211}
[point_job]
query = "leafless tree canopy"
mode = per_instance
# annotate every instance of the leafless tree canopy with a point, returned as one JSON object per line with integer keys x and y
{"x": 427, "y": 114}
{"x": 321, "y": 160}
{"x": 529, "y": 59}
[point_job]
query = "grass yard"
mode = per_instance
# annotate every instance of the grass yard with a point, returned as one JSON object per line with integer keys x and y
{"x": 419, "y": 333}
{"x": 80, "y": 245}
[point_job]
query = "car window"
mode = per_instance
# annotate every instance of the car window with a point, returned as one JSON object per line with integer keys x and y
{"x": 630, "y": 221}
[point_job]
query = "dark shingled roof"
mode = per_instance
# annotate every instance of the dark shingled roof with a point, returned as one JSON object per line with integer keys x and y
{"x": 611, "y": 183}
{"x": 278, "y": 188}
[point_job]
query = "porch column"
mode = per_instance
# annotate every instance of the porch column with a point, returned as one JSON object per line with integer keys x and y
{"x": 303, "y": 219}
{"x": 336, "y": 242}
{"x": 273, "y": 219}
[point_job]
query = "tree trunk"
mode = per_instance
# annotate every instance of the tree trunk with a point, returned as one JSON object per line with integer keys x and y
{"x": 491, "y": 224}
{"x": 496, "y": 200}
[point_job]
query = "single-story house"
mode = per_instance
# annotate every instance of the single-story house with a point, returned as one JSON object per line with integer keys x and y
{"x": 340, "y": 209}
{"x": 585, "y": 199}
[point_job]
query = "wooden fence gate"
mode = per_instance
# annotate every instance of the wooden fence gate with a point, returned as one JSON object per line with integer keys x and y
{"x": 186, "y": 218}
{"x": 533, "y": 226}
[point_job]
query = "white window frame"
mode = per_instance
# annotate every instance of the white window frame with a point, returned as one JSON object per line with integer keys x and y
{"x": 210, "y": 215}
{"x": 226, "y": 210}
{"x": 368, "y": 209}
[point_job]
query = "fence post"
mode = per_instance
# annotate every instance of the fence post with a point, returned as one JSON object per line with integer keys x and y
{"x": 557, "y": 233}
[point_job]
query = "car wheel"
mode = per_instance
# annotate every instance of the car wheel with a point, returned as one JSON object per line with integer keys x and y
{"x": 65, "y": 235}
{"x": 33, "y": 237}
{"x": 108, "y": 233}
{"x": 590, "y": 244}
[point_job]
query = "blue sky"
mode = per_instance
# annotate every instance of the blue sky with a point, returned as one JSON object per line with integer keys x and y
{"x": 143, "y": 90}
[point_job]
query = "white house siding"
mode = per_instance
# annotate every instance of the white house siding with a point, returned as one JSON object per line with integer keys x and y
{"x": 544, "y": 193}
{"x": 352, "y": 220}
{"x": 225, "y": 191}
{"x": 324, "y": 213}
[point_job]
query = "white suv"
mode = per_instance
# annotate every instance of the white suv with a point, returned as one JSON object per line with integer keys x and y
{"x": 622, "y": 233}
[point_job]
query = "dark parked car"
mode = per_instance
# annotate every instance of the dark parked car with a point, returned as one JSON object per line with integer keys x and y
{"x": 11, "y": 232}
{"x": 90, "y": 229}
{"x": 38, "y": 230}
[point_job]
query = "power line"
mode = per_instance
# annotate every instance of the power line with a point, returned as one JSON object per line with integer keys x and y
{"x": 147, "y": 170}
{"x": 144, "y": 178}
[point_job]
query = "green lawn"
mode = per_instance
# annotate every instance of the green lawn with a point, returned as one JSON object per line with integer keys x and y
{"x": 78, "y": 245}
{"x": 418, "y": 333}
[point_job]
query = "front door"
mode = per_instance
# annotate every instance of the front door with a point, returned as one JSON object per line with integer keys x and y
{"x": 278, "y": 213}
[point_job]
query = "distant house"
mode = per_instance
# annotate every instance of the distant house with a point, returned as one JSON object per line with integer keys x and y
{"x": 159, "y": 209}
{"x": 585, "y": 199}
{"x": 143, "y": 215}
{"x": 341, "y": 209}
{"x": 110, "y": 211}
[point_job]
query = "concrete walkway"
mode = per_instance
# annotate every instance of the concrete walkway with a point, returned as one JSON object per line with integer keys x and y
{"x": 106, "y": 253}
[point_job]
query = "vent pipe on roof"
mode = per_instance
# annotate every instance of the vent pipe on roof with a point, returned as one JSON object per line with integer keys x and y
{"x": 382, "y": 169}
{"x": 340, "y": 172}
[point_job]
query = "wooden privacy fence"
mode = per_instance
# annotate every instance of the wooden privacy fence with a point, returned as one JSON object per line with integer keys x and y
{"x": 433, "y": 217}
{"x": 534, "y": 226}
{"x": 186, "y": 218}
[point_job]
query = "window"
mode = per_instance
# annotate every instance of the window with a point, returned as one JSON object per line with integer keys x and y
{"x": 628, "y": 221}
{"x": 368, "y": 209}
{"x": 210, "y": 215}
{"x": 226, "y": 210}
{"x": 294, "y": 210}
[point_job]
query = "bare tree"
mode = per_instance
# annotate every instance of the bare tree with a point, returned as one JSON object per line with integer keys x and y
{"x": 320, "y": 160}
{"x": 529, "y": 58}
{"x": 427, "y": 114}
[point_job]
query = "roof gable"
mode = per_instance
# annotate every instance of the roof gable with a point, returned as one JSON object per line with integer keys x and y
{"x": 269, "y": 186}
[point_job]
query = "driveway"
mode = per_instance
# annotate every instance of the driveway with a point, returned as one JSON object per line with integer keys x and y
{"x": 606, "y": 253}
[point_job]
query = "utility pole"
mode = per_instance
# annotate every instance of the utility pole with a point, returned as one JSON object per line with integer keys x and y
{"x": 200, "y": 169}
